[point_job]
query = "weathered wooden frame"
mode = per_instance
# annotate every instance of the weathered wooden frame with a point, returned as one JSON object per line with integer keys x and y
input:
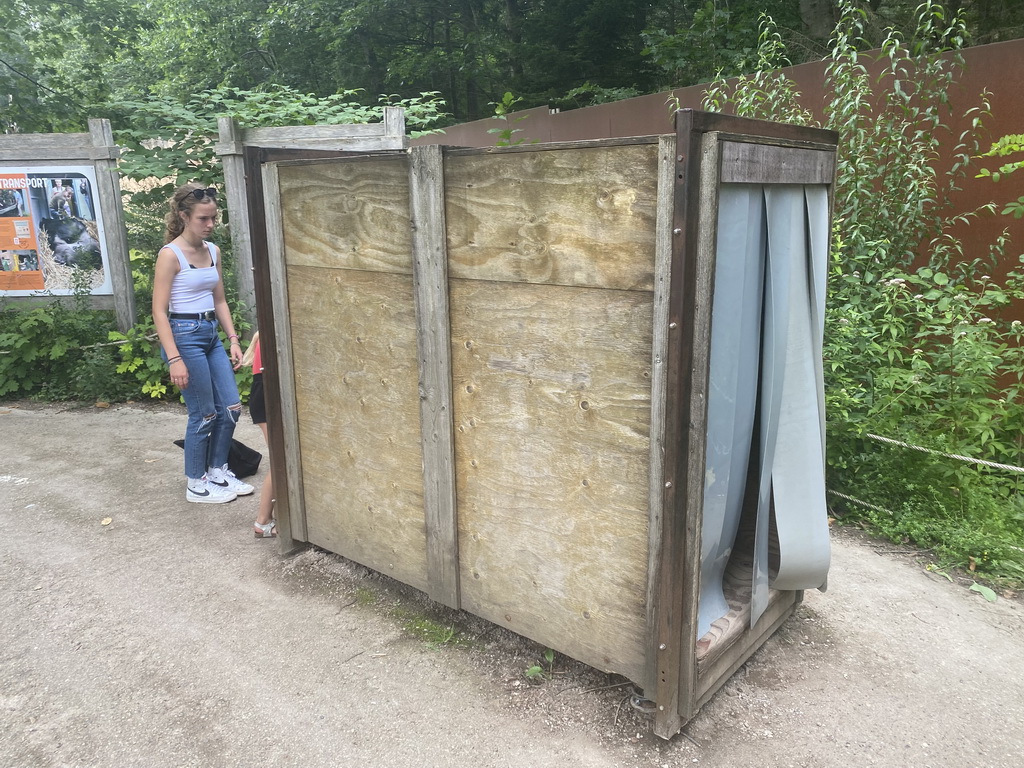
{"x": 682, "y": 684}
{"x": 230, "y": 148}
{"x": 706, "y": 150}
{"x": 96, "y": 147}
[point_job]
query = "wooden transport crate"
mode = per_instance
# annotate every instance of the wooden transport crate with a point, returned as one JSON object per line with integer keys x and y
{"x": 490, "y": 371}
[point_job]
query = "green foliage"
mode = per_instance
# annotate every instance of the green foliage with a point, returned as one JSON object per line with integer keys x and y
{"x": 58, "y": 61}
{"x": 717, "y": 41}
{"x": 54, "y": 59}
{"x": 430, "y": 632}
{"x": 140, "y": 360}
{"x": 502, "y": 109}
{"x": 53, "y": 352}
{"x": 173, "y": 143}
{"x": 1007, "y": 146}
{"x": 538, "y": 672}
{"x": 590, "y": 94}
{"x": 66, "y": 351}
{"x": 766, "y": 93}
{"x": 919, "y": 353}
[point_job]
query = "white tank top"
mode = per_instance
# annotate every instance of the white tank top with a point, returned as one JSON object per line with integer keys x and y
{"x": 192, "y": 288}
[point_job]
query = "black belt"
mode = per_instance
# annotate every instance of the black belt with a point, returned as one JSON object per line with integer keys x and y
{"x": 207, "y": 315}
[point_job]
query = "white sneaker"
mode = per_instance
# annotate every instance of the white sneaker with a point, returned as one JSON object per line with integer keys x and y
{"x": 203, "y": 492}
{"x": 224, "y": 478}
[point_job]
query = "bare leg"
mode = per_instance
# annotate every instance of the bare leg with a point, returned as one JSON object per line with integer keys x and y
{"x": 266, "y": 511}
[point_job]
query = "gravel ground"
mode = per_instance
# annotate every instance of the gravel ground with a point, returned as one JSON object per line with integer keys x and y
{"x": 138, "y": 630}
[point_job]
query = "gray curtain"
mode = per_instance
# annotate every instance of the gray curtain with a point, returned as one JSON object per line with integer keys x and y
{"x": 766, "y": 327}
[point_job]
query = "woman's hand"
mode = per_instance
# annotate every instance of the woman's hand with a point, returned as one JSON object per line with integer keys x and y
{"x": 179, "y": 374}
{"x": 236, "y": 353}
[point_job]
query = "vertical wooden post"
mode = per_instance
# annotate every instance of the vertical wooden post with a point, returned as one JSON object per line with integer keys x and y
{"x": 659, "y": 394}
{"x": 293, "y": 520}
{"x": 104, "y": 156}
{"x": 679, "y": 568}
{"x": 430, "y": 281}
{"x": 229, "y": 148}
{"x": 394, "y": 126}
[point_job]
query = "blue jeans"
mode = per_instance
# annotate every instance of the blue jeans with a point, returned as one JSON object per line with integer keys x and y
{"x": 209, "y": 396}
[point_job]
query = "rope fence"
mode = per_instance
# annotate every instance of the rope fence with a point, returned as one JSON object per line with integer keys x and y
{"x": 957, "y": 456}
{"x": 922, "y": 449}
{"x": 148, "y": 337}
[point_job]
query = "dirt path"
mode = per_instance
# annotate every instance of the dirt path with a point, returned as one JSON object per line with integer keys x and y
{"x": 170, "y": 637}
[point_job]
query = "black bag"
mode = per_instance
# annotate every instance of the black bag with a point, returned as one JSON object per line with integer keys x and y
{"x": 242, "y": 460}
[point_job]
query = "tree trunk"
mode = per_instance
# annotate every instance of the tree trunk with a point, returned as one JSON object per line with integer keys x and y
{"x": 819, "y": 16}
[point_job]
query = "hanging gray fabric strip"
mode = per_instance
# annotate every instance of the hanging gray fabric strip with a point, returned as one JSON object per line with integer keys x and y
{"x": 797, "y": 470}
{"x": 732, "y": 385}
{"x": 816, "y": 198}
{"x": 775, "y": 329}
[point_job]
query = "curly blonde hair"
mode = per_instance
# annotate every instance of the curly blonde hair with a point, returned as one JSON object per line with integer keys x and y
{"x": 183, "y": 200}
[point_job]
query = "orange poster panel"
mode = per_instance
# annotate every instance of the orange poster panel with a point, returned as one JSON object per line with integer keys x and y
{"x": 21, "y": 281}
{"x": 16, "y": 234}
{"x": 19, "y": 256}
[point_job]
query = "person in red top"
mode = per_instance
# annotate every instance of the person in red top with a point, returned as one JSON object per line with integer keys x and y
{"x": 265, "y": 526}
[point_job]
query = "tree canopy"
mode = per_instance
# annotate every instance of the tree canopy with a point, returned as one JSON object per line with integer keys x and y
{"x": 63, "y": 61}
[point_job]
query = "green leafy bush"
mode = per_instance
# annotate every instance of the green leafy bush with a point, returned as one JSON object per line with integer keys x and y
{"x": 918, "y": 353}
{"x": 51, "y": 352}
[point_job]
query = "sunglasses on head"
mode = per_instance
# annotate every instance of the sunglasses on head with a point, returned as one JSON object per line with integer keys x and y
{"x": 209, "y": 192}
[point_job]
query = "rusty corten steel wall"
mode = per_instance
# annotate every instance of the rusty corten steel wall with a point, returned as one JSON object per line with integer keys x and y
{"x": 997, "y": 68}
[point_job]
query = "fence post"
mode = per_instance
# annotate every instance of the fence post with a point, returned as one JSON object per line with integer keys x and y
{"x": 230, "y": 148}
{"x": 104, "y": 155}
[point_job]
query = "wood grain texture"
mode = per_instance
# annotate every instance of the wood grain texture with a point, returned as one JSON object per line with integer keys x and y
{"x": 229, "y": 133}
{"x": 755, "y": 163}
{"x": 291, "y": 509}
{"x": 53, "y": 147}
{"x": 368, "y": 137}
{"x": 115, "y": 236}
{"x": 352, "y": 214}
{"x": 659, "y": 397}
{"x": 583, "y": 217}
{"x": 354, "y": 349}
{"x": 552, "y": 412}
{"x": 740, "y": 641}
{"x": 430, "y": 279}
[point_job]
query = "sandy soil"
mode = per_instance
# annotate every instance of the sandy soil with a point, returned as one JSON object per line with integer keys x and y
{"x": 138, "y": 630}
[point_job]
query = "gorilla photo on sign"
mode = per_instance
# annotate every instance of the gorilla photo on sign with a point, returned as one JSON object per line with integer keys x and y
{"x": 71, "y": 243}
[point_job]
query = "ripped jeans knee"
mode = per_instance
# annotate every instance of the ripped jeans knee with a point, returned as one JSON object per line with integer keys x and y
{"x": 205, "y": 425}
{"x": 235, "y": 412}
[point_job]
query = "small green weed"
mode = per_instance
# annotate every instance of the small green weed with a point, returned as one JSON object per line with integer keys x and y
{"x": 433, "y": 634}
{"x": 537, "y": 672}
{"x": 365, "y": 596}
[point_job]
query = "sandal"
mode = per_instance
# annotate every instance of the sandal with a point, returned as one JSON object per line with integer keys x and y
{"x": 265, "y": 530}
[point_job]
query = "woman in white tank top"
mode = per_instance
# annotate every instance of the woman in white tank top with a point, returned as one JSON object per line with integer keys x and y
{"x": 188, "y": 307}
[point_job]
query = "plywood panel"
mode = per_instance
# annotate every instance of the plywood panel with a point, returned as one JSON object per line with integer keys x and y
{"x": 583, "y": 217}
{"x": 552, "y": 413}
{"x": 353, "y": 215}
{"x": 354, "y": 346}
